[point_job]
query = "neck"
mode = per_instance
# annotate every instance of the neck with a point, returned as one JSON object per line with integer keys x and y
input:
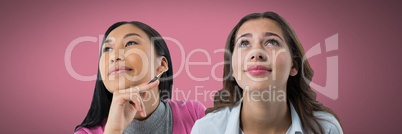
{"x": 259, "y": 114}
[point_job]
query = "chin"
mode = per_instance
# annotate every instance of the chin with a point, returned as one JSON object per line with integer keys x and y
{"x": 111, "y": 88}
{"x": 116, "y": 85}
{"x": 259, "y": 86}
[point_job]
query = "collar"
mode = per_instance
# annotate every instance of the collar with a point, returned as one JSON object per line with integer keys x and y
{"x": 296, "y": 127}
{"x": 153, "y": 122}
{"x": 233, "y": 126}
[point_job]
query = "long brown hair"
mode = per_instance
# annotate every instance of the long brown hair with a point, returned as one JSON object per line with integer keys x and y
{"x": 298, "y": 89}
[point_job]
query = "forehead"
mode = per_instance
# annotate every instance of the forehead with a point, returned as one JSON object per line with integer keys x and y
{"x": 124, "y": 29}
{"x": 259, "y": 26}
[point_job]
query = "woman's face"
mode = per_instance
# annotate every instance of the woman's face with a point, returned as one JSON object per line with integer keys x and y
{"x": 261, "y": 58}
{"x": 128, "y": 58}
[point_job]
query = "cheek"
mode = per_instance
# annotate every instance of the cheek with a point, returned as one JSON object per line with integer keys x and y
{"x": 140, "y": 59}
{"x": 236, "y": 64}
{"x": 137, "y": 62}
{"x": 141, "y": 64}
{"x": 282, "y": 64}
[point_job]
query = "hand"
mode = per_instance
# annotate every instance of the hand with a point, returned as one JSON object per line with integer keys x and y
{"x": 121, "y": 112}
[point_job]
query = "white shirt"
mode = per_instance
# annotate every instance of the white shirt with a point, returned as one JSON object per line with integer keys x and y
{"x": 227, "y": 121}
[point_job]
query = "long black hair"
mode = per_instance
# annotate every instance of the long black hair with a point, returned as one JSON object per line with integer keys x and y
{"x": 102, "y": 98}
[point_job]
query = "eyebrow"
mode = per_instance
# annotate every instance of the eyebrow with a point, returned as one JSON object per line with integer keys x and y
{"x": 272, "y": 34}
{"x": 132, "y": 34}
{"x": 125, "y": 36}
{"x": 267, "y": 34}
{"x": 107, "y": 41}
{"x": 244, "y": 35}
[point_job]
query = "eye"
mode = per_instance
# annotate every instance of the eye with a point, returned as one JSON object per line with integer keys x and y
{"x": 244, "y": 43}
{"x": 131, "y": 43}
{"x": 272, "y": 42}
{"x": 107, "y": 49}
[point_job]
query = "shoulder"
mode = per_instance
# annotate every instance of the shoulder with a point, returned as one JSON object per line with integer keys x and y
{"x": 214, "y": 122}
{"x": 217, "y": 114}
{"x": 328, "y": 122}
{"x": 94, "y": 130}
{"x": 185, "y": 114}
{"x": 194, "y": 107}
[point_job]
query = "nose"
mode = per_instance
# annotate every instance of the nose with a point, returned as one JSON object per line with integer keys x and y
{"x": 117, "y": 56}
{"x": 258, "y": 55}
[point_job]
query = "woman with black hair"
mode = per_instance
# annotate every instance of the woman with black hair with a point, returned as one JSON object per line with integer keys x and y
{"x": 128, "y": 96}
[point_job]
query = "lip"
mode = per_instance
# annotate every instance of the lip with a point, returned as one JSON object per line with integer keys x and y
{"x": 258, "y": 70}
{"x": 114, "y": 70}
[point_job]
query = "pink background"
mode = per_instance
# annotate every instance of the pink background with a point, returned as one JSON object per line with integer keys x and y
{"x": 40, "y": 96}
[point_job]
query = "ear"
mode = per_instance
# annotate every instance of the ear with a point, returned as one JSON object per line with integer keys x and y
{"x": 295, "y": 69}
{"x": 163, "y": 65}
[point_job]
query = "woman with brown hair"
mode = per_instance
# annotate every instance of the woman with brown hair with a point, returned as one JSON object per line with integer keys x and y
{"x": 266, "y": 84}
